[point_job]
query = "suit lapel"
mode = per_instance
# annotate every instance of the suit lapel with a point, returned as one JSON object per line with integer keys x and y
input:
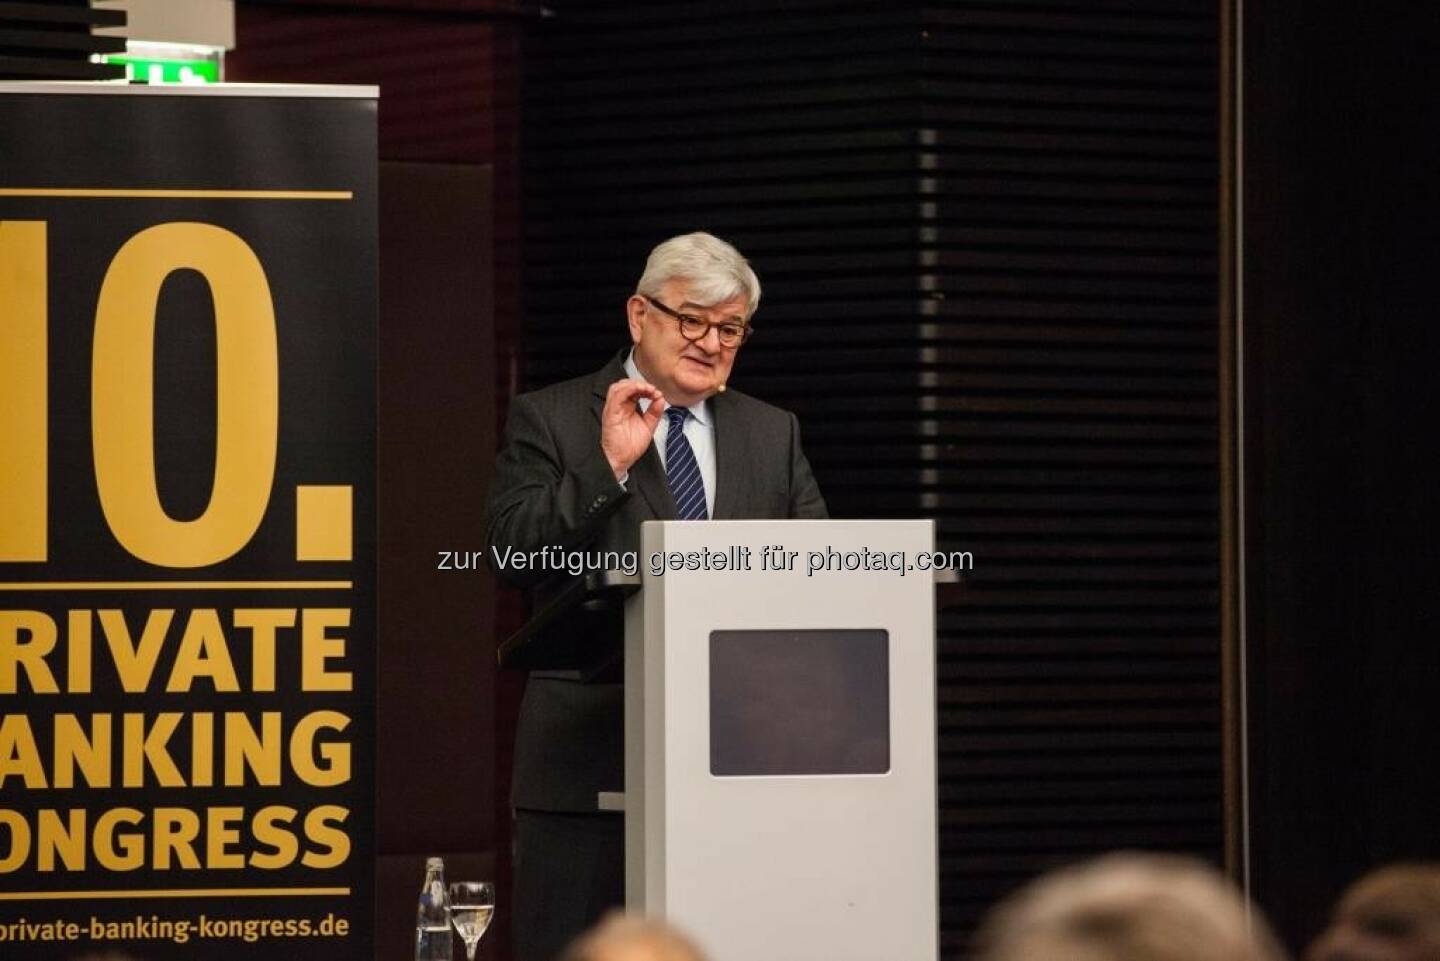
{"x": 646, "y": 475}
{"x": 729, "y": 460}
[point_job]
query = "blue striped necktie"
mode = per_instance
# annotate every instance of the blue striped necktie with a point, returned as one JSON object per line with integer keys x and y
{"x": 682, "y": 473}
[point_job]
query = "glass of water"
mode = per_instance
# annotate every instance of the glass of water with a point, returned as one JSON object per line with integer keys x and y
{"x": 472, "y": 905}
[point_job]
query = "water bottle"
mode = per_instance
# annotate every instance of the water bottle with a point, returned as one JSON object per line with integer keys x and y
{"x": 432, "y": 920}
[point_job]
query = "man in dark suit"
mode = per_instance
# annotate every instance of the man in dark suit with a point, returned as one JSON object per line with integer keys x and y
{"x": 654, "y": 435}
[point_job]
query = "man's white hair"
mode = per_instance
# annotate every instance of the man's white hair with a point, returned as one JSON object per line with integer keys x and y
{"x": 716, "y": 271}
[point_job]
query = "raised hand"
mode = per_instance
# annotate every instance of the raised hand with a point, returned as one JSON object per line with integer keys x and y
{"x": 624, "y": 431}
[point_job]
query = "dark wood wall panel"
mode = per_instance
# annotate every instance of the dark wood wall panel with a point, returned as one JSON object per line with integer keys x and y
{"x": 437, "y": 74}
{"x": 447, "y": 71}
{"x": 436, "y": 686}
{"x": 987, "y": 237}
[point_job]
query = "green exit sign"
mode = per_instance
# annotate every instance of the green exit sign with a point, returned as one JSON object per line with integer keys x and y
{"x": 151, "y": 70}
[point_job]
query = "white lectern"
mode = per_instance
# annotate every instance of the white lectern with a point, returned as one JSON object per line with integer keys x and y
{"x": 780, "y": 739}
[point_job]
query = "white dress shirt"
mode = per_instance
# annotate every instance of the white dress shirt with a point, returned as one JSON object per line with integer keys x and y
{"x": 699, "y": 431}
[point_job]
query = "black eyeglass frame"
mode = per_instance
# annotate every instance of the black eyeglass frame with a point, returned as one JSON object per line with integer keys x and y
{"x": 682, "y": 319}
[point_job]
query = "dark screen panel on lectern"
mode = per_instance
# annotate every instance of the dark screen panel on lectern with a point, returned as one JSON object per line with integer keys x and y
{"x": 799, "y": 702}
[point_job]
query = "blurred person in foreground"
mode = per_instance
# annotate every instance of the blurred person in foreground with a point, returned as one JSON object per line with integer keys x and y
{"x": 1127, "y": 907}
{"x": 621, "y": 938}
{"x": 1392, "y": 914}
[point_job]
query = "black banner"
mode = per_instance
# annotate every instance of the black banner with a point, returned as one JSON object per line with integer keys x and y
{"x": 187, "y": 503}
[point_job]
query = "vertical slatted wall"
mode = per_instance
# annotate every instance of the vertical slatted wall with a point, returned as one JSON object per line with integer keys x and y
{"x": 51, "y": 40}
{"x": 987, "y": 238}
{"x": 1069, "y": 239}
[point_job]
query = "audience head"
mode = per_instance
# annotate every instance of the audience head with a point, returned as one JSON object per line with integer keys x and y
{"x": 622, "y": 938}
{"x": 1392, "y": 914}
{"x": 1128, "y": 907}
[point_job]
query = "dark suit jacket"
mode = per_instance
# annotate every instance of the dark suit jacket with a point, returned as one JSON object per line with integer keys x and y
{"x": 553, "y": 487}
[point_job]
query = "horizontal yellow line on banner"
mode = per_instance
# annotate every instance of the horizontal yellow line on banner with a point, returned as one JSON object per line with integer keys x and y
{"x": 108, "y": 193}
{"x": 176, "y": 585}
{"x": 176, "y": 893}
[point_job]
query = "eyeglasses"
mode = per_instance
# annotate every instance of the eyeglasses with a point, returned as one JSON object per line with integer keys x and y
{"x": 695, "y": 328}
